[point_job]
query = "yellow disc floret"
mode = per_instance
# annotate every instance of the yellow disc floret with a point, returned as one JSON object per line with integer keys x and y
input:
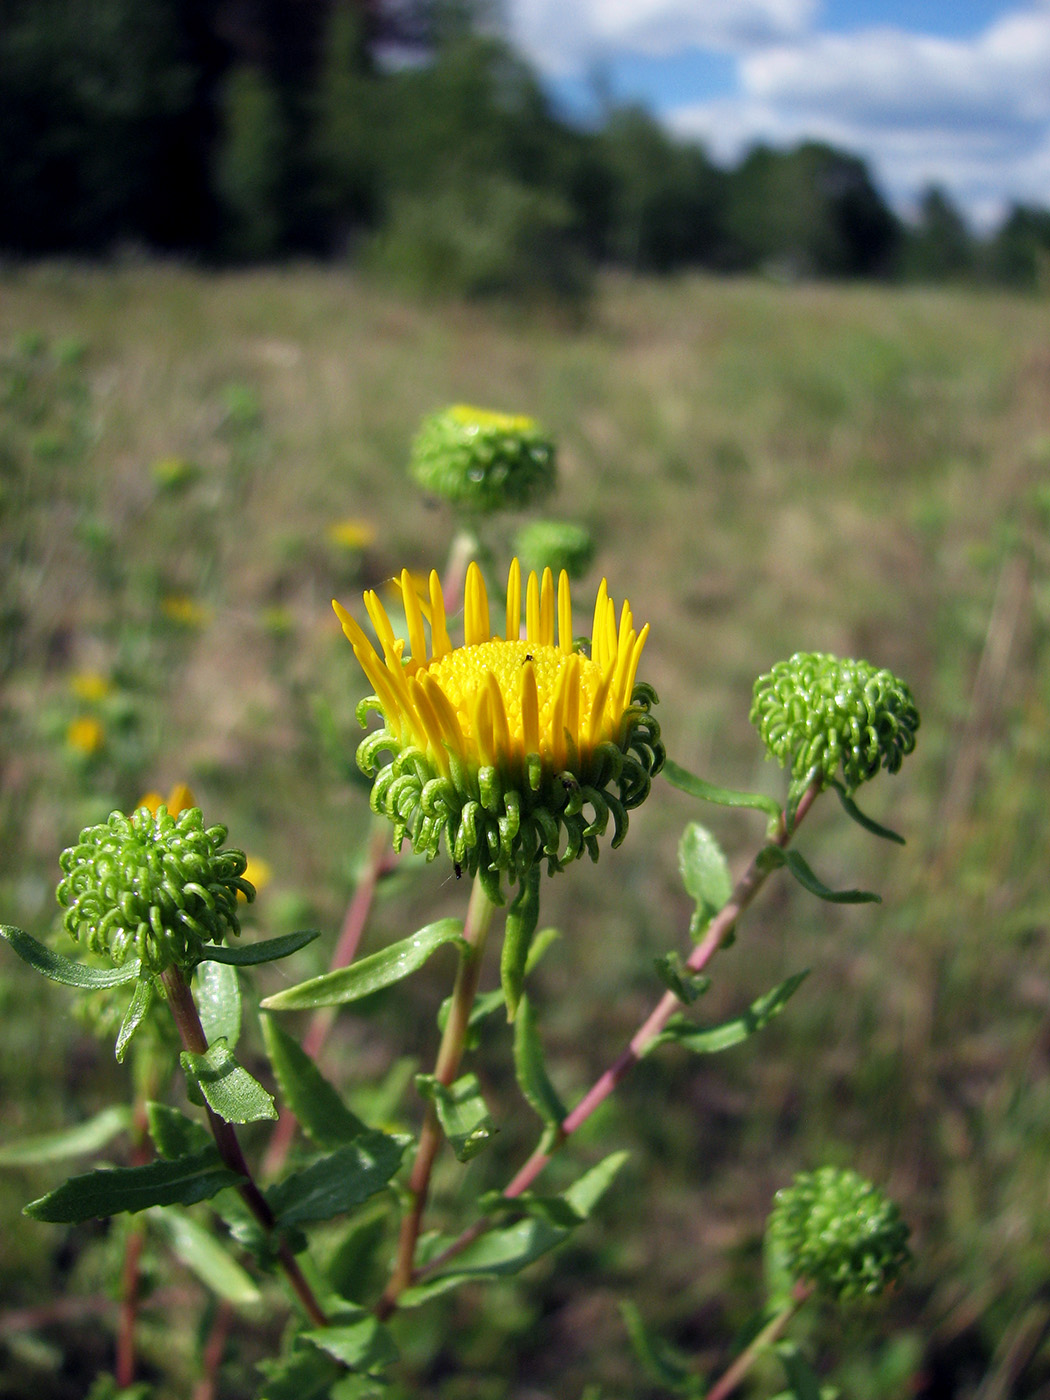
{"x": 517, "y": 731}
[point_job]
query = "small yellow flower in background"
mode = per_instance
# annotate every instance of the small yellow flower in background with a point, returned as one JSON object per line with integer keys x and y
{"x": 90, "y": 686}
{"x": 85, "y": 735}
{"x": 502, "y": 743}
{"x": 174, "y": 472}
{"x": 180, "y": 608}
{"x": 352, "y": 533}
{"x": 178, "y": 800}
{"x": 258, "y": 872}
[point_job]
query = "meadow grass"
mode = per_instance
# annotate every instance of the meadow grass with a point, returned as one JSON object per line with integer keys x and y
{"x": 766, "y": 469}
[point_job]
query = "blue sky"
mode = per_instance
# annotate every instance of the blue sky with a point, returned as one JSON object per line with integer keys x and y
{"x": 955, "y": 93}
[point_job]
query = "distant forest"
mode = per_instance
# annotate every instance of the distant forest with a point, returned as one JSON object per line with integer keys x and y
{"x": 403, "y": 134}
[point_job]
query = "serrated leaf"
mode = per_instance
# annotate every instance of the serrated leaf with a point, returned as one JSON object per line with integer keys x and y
{"x": 319, "y": 1109}
{"x": 705, "y": 874}
{"x": 180, "y": 1181}
{"x": 207, "y": 1257}
{"x": 710, "y": 1041}
{"x": 228, "y": 1089}
{"x": 251, "y": 954}
{"x": 360, "y": 1342}
{"x": 64, "y": 970}
{"x": 370, "y": 974}
{"x": 861, "y": 818}
{"x": 510, "y": 1249}
{"x": 531, "y": 1070}
{"x": 78, "y": 1141}
{"x": 773, "y": 858}
{"x": 217, "y": 992}
{"x": 522, "y": 918}
{"x": 676, "y": 977}
{"x": 305, "y": 1375}
{"x": 173, "y": 1134}
{"x": 336, "y": 1183}
{"x": 138, "y": 1010}
{"x": 685, "y": 781}
{"x": 462, "y": 1113}
{"x": 662, "y": 1363}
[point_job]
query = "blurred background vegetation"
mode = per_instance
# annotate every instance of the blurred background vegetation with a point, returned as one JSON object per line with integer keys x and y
{"x": 410, "y": 137}
{"x": 196, "y": 455}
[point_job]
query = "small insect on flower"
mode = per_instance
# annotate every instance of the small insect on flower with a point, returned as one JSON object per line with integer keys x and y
{"x": 514, "y": 748}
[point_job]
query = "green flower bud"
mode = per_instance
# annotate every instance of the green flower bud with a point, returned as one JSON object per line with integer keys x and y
{"x": 815, "y": 712}
{"x": 833, "y": 1229}
{"x": 554, "y": 545}
{"x": 483, "y": 461}
{"x": 152, "y": 886}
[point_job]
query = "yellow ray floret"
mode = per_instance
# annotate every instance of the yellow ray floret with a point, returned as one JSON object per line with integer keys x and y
{"x": 499, "y": 700}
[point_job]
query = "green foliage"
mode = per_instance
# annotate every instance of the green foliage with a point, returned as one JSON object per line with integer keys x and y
{"x": 462, "y": 1112}
{"x": 705, "y": 874}
{"x": 227, "y": 1087}
{"x": 774, "y": 858}
{"x": 554, "y": 545}
{"x": 183, "y": 1180}
{"x": 79, "y": 1140}
{"x": 61, "y": 969}
{"x": 336, "y": 1183}
{"x": 712, "y": 1040}
{"x": 367, "y": 975}
{"x": 250, "y": 165}
{"x": 318, "y": 1107}
{"x": 210, "y": 1260}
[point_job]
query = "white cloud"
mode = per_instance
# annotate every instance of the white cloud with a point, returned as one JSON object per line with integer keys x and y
{"x": 973, "y": 115}
{"x": 568, "y": 36}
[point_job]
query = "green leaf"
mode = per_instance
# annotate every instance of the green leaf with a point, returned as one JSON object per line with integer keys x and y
{"x": 522, "y": 918}
{"x": 60, "y": 969}
{"x": 138, "y": 1010}
{"x": 685, "y": 781}
{"x": 540, "y": 943}
{"x": 352, "y": 1269}
{"x": 360, "y": 1342}
{"x": 305, "y": 1375}
{"x": 484, "y": 1005}
{"x": 218, "y": 996}
{"x": 173, "y": 1134}
{"x": 462, "y": 1113}
{"x": 531, "y": 1070}
{"x": 321, "y": 1112}
{"x": 370, "y": 974}
{"x": 676, "y": 977}
{"x": 228, "y": 1088}
{"x": 78, "y": 1141}
{"x": 210, "y": 1260}
{"x": 868, "y": 823}
{"x": 801, "y": 1377}
{"x": 772, "y": 858}
{"x": 705, "y": 874}
{"x": 509, "y": 1250}
{"x": 181, "y": 1181}
{"x": 336, "y": 1183}
{"x": 662, "y": 1363}
{"x": 250, "y": 954}
{"x": 679, "y": 1031}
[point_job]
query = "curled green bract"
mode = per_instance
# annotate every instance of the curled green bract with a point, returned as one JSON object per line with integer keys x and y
{"x": 152, "y": 886}
{"x": 483, "y": 461}
{"x": 835, "y": 1230}
{"x": 495, "y": 824}
{"x": 815, "y": 712}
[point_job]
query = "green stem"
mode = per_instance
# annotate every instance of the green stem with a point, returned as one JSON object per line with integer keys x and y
{"x": 773, "y": 1329}
{"x": 191, "y": 1033}
{"x": 450, "y": 1053}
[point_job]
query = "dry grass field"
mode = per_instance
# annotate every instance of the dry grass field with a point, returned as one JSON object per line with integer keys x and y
{"x": 765, "y": 469}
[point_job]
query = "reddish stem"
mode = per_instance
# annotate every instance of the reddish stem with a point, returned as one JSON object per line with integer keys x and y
{"x": 719, "y": 930}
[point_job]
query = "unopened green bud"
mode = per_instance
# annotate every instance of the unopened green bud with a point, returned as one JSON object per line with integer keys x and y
{"x": 152, "y": 886}
{"x": 483, "y": 461}
{"x": 554, "y": 545}
{"x": 815, "y": 712}
{"x": 835, "y": 1230}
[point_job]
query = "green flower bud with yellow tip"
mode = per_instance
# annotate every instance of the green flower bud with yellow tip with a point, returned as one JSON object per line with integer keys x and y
{"x": 833, "y": 1229}
{"x": 514, "y": 748}
{"x": 815, "y": 712}
{"x": 482, "y": 461}
{"x": 153, "y": 886}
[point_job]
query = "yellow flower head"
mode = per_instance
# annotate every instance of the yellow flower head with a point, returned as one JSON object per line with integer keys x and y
{"x": 515, "y": 746}
{"x": 85, "y": 735}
